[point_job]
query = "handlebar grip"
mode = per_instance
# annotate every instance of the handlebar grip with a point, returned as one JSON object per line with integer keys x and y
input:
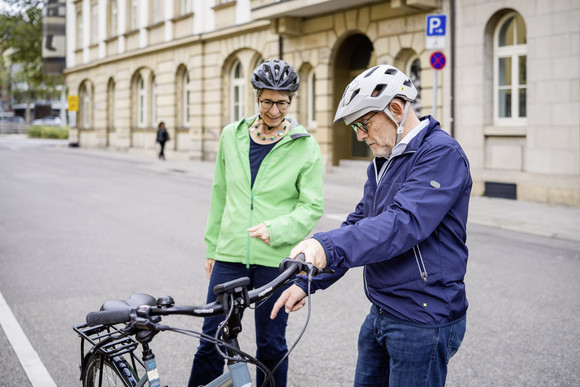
{"x": 109, "y": 317}
{"x": 298, "y": 262}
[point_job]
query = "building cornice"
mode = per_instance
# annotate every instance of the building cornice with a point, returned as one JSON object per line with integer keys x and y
{"x": 186, "y": 41}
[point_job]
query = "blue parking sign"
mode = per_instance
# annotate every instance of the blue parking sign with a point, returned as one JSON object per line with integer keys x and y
{"x": 436, "y": 25}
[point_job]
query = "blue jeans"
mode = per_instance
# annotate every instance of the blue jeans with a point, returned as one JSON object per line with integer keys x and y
{"x": 392, "y": 353}
{"x": 208, "y": 364}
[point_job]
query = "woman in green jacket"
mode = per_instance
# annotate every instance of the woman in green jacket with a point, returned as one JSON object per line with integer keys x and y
{"x": 267, "y": 196}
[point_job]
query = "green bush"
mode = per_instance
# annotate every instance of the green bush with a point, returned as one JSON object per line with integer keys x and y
{"x": 40, "y": 131}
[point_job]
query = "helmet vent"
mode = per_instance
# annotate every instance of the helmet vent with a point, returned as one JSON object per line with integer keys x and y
{"x": 354, "y": 94}
{"x": 371, "y": 71}
{"x": 408, "y": 83}
{"x": 391, "y": 71}
{"x": 378, "y": 90}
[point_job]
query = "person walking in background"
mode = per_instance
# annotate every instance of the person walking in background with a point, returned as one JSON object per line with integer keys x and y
{"x": 267, "y": 196}
{"x": 162, "y": 138}
{"x": 408, "y": 232}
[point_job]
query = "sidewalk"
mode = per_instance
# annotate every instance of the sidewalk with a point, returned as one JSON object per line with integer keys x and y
{"x": 346, "y": 181}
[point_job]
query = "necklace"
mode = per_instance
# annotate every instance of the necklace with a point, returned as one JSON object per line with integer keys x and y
{"x": 267, "y": 136}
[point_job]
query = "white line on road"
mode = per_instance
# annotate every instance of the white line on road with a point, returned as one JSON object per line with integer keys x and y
{"x": 33, "y": 366}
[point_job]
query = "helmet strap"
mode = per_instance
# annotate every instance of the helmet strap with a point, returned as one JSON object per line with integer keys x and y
{"x": 401, "y": 124}
{"x": 264, "y": 123}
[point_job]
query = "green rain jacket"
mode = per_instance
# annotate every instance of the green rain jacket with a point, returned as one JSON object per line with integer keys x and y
{"x": 287, "y": 196}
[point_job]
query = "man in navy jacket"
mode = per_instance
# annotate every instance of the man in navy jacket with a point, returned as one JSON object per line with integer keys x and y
{"x": 408, "y": 232}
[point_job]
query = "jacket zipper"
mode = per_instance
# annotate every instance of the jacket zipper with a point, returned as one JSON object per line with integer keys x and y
{"x": 267, "y": 158}
{"x": 420, "y": 263}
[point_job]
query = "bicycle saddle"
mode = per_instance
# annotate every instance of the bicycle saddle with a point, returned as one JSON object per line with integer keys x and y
{"x": 134, "y": 301}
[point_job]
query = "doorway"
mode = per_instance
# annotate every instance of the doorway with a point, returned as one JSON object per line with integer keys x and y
{"x": 355, "y": 55}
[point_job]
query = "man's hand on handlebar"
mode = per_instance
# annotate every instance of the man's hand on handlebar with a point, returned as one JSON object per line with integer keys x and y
{"x": 313, "y": 252}
{"x": 292, "y": 298}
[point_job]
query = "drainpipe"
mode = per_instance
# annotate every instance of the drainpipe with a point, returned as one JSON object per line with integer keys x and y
{"x": 280, "y": 47}
{"x": 452, "y": 5}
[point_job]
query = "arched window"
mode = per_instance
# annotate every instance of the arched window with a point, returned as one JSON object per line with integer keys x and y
{"x": 85, "y": 108}
{"x": 312, "y": 100}
{"x": 153, "y": 101}
{"x": 414, "y": 72}
{"x": 140, "y": 102}
{"x": 510, "y": 70}
{"x": 185, "y": 99}
{"x": 111, "y": 104}
{"x": 237, "y": 92}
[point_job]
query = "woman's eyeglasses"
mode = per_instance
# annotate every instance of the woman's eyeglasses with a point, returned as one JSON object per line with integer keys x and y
{"x": 267, "y": 104}
{"x": 362, "y": 125}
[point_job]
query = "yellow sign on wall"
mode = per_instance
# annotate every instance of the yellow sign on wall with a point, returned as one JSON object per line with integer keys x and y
{"x": 73, "y": 103}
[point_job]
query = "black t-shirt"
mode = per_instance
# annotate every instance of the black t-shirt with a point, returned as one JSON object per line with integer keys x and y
{"x": 257, "y": 154}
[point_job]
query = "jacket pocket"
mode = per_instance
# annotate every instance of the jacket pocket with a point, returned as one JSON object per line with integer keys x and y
{"x": 420, "y": 263}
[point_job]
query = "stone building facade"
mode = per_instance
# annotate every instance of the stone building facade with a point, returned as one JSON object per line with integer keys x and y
{"x": 509, "y": 93}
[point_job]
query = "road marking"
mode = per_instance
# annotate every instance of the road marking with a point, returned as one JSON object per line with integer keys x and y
{"x": 33, "y": 366}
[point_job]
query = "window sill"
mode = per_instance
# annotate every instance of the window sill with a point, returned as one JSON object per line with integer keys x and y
{"x": 129, "y": 33}
{"x": 505, "y": 131}
{"x": 111, "y": 39}
{"x": 153, "y": 26}
{"x": 224, "y": 4}
{"x": 182, "y": 17}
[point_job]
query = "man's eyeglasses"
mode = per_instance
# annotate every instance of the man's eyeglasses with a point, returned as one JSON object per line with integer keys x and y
{"x": 267, "y": 104}
{"x": 362, "y": 125}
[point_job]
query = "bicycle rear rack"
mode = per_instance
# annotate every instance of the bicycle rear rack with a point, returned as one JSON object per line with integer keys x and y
{"x": 94, "y": 335}
{"x": 115, "y": 348}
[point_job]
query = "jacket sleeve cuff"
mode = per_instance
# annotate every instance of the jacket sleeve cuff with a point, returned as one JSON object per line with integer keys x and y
{"x": 327, "y": 245}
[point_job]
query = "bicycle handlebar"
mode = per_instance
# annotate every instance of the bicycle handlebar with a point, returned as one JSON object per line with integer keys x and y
{"x": 288, "y": 268}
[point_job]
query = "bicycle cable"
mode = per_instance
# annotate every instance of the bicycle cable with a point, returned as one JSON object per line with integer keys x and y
{"x": 297, "y": 339}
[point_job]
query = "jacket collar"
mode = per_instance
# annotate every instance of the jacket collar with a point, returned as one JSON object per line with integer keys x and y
{"x": 416, "y": 142}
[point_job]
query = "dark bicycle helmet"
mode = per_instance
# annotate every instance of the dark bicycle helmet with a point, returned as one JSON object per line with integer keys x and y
{"x": 275, "y": 75}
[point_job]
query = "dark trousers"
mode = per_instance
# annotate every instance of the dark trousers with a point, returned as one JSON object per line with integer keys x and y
{"x": 161, "y": 154}
{"x": 395, "y": 354}
{"x": 270, "y": 334}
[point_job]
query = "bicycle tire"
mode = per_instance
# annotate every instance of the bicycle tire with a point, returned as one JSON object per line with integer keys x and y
{"x": 116, "y": 372}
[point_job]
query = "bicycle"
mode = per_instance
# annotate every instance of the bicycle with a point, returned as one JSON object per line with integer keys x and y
{"x": 111, "y": 361}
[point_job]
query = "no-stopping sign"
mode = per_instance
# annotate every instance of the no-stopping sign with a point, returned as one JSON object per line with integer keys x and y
{"x": 437, "y": 60}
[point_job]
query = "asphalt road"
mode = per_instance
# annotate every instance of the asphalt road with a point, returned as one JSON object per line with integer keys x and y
{"x": 78, "y": 228}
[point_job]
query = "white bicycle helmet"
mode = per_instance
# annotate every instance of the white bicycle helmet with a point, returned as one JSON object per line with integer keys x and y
{"x": 373, "y": 90}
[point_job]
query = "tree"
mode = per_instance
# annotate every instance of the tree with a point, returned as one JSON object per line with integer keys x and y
{"x": 21, "y": 46}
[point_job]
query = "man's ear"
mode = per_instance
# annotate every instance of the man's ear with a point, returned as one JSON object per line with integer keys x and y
{"x": 397, "y": 109}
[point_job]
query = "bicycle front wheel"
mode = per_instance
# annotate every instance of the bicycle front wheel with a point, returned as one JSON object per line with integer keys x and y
{"x": 106, "y": 372}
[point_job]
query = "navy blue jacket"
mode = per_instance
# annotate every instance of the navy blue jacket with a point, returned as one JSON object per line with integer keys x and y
{"x": 409, "y": 232}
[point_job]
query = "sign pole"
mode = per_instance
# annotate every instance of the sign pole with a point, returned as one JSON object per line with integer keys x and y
{"x": 435, "y": 93}
{"x": 435, "y": 31}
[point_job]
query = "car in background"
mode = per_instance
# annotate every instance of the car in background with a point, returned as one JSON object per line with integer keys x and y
{"x": 17, "y": 120}
{"x": 48, "y": 121}
{"x": 12, "y": 119}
